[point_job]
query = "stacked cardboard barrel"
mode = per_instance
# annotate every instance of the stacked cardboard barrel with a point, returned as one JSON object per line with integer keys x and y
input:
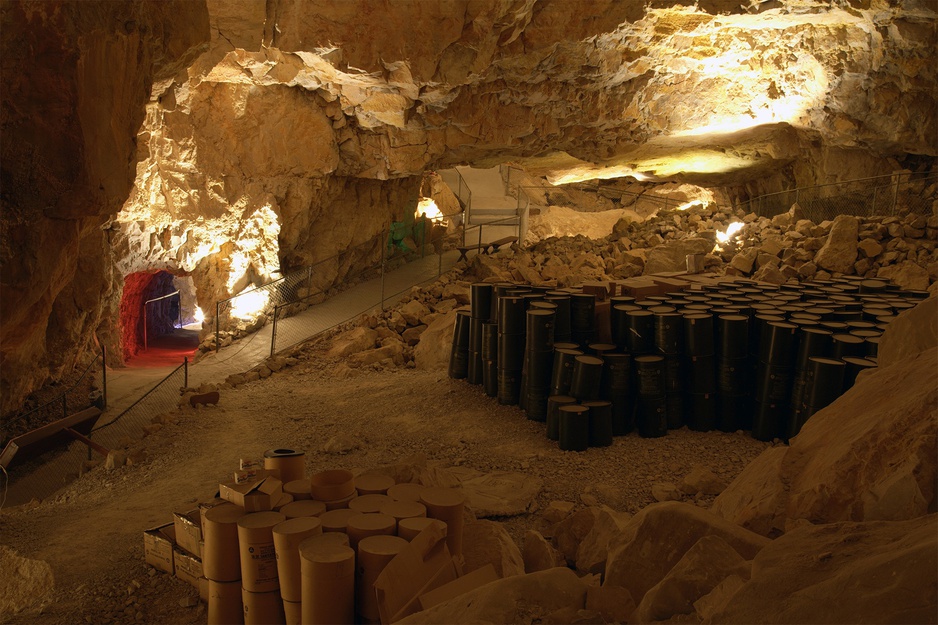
{"x": 318, "y": 558}
{"x": 727, "y": 355}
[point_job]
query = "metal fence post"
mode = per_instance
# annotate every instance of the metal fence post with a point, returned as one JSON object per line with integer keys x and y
{"x": 384, "y": 259}
{"x": 104, "y": 374}
{"x": 216, "y": 326}
{"x": 144, "y": 327}
{"x": 185, "y": 371}
{"x": 273, "y": 333}
{"x": 64, "y": 405}
{"x": 895, "y": 198}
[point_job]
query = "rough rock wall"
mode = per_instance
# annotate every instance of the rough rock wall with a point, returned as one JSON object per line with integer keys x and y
{"x": 292, "y": 100}
{"x": 75, "y": 78}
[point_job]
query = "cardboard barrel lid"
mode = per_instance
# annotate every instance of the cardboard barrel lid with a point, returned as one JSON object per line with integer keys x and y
{"x": 373, "y": 484}
{"x": 337, "y": 520}
{"x": 303, "y": 508}
{"x": 406, "y": 492}
{"x": 404, "y": 509}
{"x": 369, "y": 503}
{"x": 332, "y": 485}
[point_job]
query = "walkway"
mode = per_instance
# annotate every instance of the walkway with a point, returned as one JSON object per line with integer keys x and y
{"x": 128, "y": 384}
{"x": 489, "y": 202}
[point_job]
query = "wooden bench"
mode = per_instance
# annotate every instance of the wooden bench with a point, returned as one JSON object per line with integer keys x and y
{"x": 55, "y": 434}
{"x": 466, "y": 248}
{"x": 505, "y": 241}
{"x": 484, "y": 248}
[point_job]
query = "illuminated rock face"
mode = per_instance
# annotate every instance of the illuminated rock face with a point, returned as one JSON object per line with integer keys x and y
{"x": 280, "y": 132}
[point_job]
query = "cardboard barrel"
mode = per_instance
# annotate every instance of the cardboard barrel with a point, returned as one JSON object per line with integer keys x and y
{"x": 224, "y": 603}
{"x": 221, "y": 561}
{"x": 328, "y": 583}
{"x": 374, "y": 553}
{"x": 290, "y": 462}
{"x": 337, "y": 520}
{"x": 258, "y": 555}
{"x": 298, "y": 488}
{"x": 447, "y": 504}
{"x": 262, "y": 608}
{"x": 365, "y": 525}
{"x": 409, "y": 528}
{"x": 406, "y": 492}
{"x": 287, "y": 538}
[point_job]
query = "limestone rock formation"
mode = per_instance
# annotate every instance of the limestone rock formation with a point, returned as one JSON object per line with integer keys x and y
{"x": 267, "y": 136}
{"x": 840, "y": 251}
{"x": 660, "y": 535}
{"x": 27, "y": 583}
{"x": 517, "y": 599}
{"x": 842, "y": 572}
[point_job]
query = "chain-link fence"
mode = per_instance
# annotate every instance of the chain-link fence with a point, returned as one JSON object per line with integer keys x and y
{"x": 291, "y": 321}
{"x": 89, "y": 389}
{"x": 41, "y": 476}
{"x": 130, "y": 424}
{"x": 895, "y": 194}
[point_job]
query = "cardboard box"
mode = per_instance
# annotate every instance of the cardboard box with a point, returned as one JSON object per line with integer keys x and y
{"x": 459, "y": 586}
{"x": 257, "y": 496}
{"x": 243, "y": 476}
{"x": 251, "y": 463}
{"x": 425, "y": 564}
{"x": 188, "y": 567}
{"x": 188, "y": 527}
{"x": 599, "y": 289}
{"x": 158, "y": 547}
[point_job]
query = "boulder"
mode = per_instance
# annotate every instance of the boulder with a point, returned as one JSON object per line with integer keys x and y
{"x": 518, "y": 599}
{"x": 413, "y": 311}
{"x": 744, "y": 260}
{"x": 27, "y": 583}
{"x": 539, "y": 554}
{"x": 500, "y": 493}
{"x": 771, "y": 274}
{"x": 459, "y": 291}
{"x": 870, "y": 248}
{"x": 658, "y": 537}
{"x": 487, "y": 542}
{"x": 840, "y": 251}
{"x": 869, "y": 455}
{"x": 352, "y": 342}
{"x": 411, "y": 336}
{"x": 570, "y": 532}
{"x": 703, "y": 567}
{"x": 907, "y": 274}
{"x": 756, "y": 498}
{"x": 665, "y": 491}
{"x": 873, "y": 572}
{"x": 910, "y": 333}
{"x": 593, "y": 550}
{"x": 702, "y": 480}
{"x": 394, "y": 351}
{"x": 672, "y": 256}
{"x": 612, "y": 603}
{"x": 436, "y": 342}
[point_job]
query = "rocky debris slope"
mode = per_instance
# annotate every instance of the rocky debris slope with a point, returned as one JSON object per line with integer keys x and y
{"x": 788, "y": 247}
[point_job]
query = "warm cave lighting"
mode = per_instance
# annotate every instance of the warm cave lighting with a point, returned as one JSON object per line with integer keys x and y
{"x": 248, "y": 306}
{"x": 691, "y": 204}
{"x": 428, "y": 207}
{"x": 199, "y": 315}
{"x": 727, "y": 235}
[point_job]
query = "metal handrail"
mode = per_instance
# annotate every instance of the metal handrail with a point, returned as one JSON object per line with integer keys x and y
{"x": 924, "y": 176}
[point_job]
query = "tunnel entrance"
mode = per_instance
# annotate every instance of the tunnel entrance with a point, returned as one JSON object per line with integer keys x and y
{"x": 159, "y": 317}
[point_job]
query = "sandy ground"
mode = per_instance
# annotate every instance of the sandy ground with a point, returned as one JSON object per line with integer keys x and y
{"x": 91, "y": 532}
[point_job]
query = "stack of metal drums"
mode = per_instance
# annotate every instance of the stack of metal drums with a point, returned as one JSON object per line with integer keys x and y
{"x": 730, "y": 355}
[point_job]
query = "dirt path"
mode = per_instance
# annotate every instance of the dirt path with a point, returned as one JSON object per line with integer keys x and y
{"x": 91, "y": 532}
